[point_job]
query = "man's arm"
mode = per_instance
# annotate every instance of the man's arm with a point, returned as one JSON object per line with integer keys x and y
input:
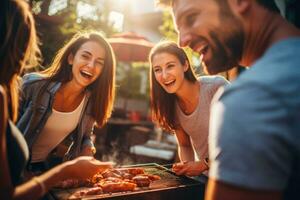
{"x": 217, "y": 190}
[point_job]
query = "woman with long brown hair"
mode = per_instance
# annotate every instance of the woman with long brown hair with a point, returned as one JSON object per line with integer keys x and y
{"x": 180, "y": 104}
{"x": 60, "y": 106}
{"x": 18, "y": 48}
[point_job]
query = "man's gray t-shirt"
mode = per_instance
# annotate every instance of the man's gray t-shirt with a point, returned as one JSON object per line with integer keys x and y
{"x": 255, "y": 125}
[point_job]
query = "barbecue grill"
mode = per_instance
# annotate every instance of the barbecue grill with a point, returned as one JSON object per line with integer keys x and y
{"x": 170, "y": 186}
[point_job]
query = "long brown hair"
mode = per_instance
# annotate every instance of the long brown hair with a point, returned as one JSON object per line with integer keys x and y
{"x": 163, "y": 103}
{"x": 19, "y": 47}
{"x": 102, "y": 89}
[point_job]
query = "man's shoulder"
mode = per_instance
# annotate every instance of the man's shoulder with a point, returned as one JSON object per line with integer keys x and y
{"x": 277, "y": 71}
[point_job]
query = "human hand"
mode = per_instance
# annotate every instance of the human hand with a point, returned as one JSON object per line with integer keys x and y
{"x": 189, "y": 168}
{"x": 85, "y": 167}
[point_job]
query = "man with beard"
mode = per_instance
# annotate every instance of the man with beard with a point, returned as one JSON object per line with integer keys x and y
{"x": 254, "y": 130}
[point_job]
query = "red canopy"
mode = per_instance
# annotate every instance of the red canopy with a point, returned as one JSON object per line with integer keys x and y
{"x": 129, "y": 47}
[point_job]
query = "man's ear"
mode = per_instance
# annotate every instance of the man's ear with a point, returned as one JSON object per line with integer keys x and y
{"x": 70, "y": 58}
{"x": 240, "y": 6}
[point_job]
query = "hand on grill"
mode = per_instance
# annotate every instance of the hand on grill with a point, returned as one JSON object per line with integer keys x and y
{"x": 190, "y": 168}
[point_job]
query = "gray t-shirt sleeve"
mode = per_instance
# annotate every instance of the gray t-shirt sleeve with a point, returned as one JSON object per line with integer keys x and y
{"x": 249, "y": 139}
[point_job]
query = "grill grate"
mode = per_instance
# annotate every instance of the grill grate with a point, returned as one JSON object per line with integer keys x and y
{"x": 168, "y": 181}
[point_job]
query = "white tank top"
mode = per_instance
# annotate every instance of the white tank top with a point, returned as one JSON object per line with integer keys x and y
{"x": 58, "y": 126}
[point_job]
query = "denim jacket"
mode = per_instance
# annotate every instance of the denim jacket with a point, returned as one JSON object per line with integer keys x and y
{"x": 31, "y": 121}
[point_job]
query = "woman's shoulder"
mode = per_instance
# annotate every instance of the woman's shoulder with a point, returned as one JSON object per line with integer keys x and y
{"x": 213, "y": 80}
{"x": 211, "y": 84}
{"x": 31, "y": 78}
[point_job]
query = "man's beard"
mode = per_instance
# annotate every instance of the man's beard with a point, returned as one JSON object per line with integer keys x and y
{"x": 222, "y": 59}
{"x": 226, "y": 54}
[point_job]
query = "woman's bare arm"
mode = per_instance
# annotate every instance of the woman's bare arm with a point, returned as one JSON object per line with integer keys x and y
{"x": 185, "y": 149}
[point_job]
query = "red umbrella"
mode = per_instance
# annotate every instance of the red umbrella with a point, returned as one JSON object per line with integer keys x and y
{"x": 129, "y": 47}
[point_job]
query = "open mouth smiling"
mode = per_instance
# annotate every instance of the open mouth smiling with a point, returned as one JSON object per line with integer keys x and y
{"x": 86, "y": 74}
{"x": 169, "y": 83}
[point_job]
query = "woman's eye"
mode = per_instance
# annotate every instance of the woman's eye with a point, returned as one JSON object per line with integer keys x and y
{"x": 156, "y": 70}
{"x": 99, "y": 63}
{"x": 85, "y": 56}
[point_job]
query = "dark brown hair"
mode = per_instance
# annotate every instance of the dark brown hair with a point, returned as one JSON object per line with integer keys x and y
{"x": 163, "y": 103}
{"x": 102, "y": 89}
{"x": 19, "y": 47}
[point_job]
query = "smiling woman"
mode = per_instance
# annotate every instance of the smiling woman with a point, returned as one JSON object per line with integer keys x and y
{"x": 60, "y": 106}
{"x": 180, "y": 103}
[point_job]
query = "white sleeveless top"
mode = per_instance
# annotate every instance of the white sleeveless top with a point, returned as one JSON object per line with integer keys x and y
{"x": 196, "y": 124}
{"x": 58, "y": 126}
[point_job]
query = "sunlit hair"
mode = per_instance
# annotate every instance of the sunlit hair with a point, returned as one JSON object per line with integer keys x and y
{"x": 163, "y": 103}
{"x": 18, "y": 47}
{"x": 102, "y": 89}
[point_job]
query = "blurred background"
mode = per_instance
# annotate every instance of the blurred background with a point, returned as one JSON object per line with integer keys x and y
{"x": 133, "y": 27}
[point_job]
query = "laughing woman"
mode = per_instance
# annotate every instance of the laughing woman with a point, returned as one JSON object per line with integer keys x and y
{"x": 180, "y": 104}
{"x": 60, "y": 106}
{"x": 18, "y": 48}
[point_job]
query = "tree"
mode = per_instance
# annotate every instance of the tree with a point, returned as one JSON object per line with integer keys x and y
{"x": 55, "y": 29}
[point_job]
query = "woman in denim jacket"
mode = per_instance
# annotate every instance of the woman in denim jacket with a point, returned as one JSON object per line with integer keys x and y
{"x": 63, "y": 103}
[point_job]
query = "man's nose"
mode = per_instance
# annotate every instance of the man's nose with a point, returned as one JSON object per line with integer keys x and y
{"x": 184, "y": 38}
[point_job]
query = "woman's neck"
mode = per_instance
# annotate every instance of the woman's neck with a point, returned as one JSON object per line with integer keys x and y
{"x": 71, "y": 90}
{"x": 188, "y": 96}
{"x": 68, "y": 98}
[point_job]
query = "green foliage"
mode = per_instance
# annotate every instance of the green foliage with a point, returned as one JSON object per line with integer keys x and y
{"x": 167, "y": 29}
{"x": 129, "y": 80}
{"x": 54, "y": 30}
